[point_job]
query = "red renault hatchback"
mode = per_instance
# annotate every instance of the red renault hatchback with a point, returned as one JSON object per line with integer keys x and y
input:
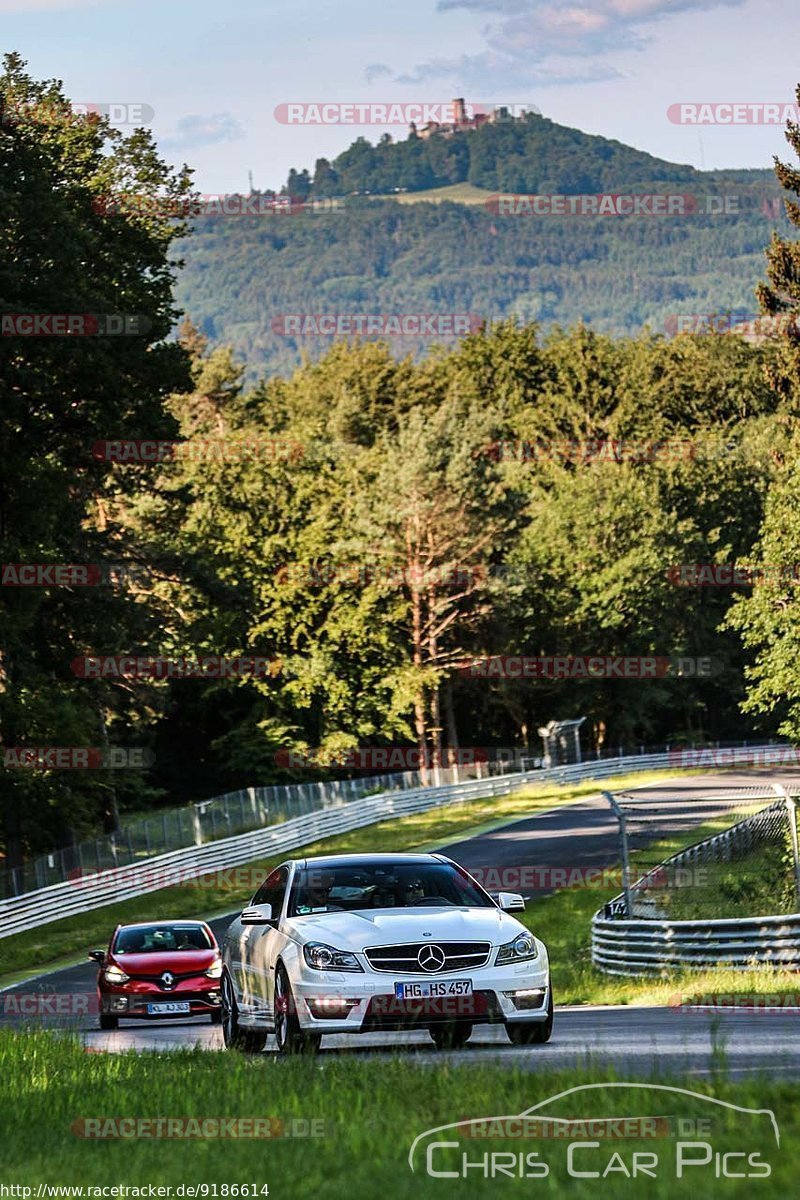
{"x": 161, "y": 969}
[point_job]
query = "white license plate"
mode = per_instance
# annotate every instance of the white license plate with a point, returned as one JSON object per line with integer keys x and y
{"x": 433, "y": 989}
{"x": 169, "y": 1006}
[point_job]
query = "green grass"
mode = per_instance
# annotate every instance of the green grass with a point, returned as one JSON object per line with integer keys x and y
{"x": 458, "y": 193}
{"x": 57, "y": 944}
{"x": 758, "y": 884}
{"x": 368, "y": 1112}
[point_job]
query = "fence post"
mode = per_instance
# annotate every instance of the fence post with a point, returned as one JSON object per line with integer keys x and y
{"x": 623, "y": 837}
{"x": 791, "y": 813}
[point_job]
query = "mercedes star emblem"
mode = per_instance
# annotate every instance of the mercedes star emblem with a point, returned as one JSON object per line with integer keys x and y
{"x": 431, "y": 958}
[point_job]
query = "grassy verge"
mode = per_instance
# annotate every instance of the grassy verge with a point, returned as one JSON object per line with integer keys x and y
{"x": 58, "y": 943}
{"x": 368, "y": 1114}
{"x": 458, "y": 193}
{"x": 563, "y": 921}
{"x": 757, "y": 884}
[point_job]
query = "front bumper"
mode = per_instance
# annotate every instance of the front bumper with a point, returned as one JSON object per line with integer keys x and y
{"x": 346, "y": 1002}
{"x": 131, "y": 999}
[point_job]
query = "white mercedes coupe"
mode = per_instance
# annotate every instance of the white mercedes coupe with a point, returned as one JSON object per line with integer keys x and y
{"x": 363, "y": 943}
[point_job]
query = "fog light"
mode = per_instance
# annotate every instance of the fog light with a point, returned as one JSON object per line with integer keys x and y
{"x": 330, "y": 1008}
{"x": 529, "y": 998}
{"x": 213, "y": 997}
{"x": 120, "y": 1004}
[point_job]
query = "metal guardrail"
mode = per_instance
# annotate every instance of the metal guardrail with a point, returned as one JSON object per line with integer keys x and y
{"x": 21, "y": 913}
{"x": 193, "y": 825}
{"x": 223, "y": 816}
{"x": 636, "y": 946}
{"x": 643, "y": 947}
{"x": 181, "y": 867}
{"x": 251, "y": 808}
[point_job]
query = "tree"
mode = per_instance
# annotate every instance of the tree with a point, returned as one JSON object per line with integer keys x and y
{"x": 88, "y": 222}
{"x": 781, "y": 295}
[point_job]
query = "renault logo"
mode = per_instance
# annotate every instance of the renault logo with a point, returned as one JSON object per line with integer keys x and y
{"x": 431, "y": 958}
{"x": 167, "y": 980}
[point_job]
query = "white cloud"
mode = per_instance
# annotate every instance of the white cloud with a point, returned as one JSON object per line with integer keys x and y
{"x": 198, "y": 130}
{"x": 547, "y": 42}
{"x": 377, "y": 71}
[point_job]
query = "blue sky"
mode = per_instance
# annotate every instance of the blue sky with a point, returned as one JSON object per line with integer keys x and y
{"x": 214, "y": 72}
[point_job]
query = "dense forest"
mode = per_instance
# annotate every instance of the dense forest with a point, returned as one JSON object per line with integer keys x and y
{"x": 344, "y": 247}
{"x": 616, "y": 274}
{"x": 367, "y": 525}
{"x": 529, "y": 153}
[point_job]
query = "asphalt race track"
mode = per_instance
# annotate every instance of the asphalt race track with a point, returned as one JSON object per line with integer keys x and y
{"x": 634, "y": 1039}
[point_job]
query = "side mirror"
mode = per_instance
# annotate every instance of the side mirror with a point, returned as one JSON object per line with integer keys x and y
{"x": 257, "y": 914}
{"x": 98, "y": 956}
{"x": 510, "y": 901}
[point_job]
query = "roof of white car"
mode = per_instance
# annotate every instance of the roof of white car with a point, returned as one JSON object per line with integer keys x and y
{"x": 344, "y": 859}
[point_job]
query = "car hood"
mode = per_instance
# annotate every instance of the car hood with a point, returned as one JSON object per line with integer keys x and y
{"x": 386, "y": 927}
{"x": 179, "y": 962}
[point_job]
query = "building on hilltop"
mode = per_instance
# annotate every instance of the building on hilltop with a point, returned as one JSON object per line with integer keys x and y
{"x": 461, "y": 124}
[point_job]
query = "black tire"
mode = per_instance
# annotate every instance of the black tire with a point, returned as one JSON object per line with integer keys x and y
{"x": 451, "y": 1036}
{"x": 289, "y": 1037}
{"x": 108, "y": 1022}
{"x": 532, "y": 1033}
{"x": 249, "y": 1041}
{"x": 216, "y": 1016}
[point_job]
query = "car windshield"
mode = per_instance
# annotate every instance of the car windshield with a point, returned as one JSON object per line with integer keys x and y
{"x": 157, "y": 939}
{"x": 354, "y": 887}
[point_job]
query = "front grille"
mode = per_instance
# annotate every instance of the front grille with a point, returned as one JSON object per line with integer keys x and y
{"x": 404, "y": 960}
{"x": 157, "y": 978}
{"x": 142, "y": 999}
{"x": 386, "y": 1012}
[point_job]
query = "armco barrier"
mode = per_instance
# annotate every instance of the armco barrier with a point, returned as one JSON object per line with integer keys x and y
{"x": 40, "y": 907}
{"x": 624, "y": 947}
{"x": 635, "y": 946}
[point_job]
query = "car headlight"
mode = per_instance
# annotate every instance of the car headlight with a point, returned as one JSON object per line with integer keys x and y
{"x": 326, "y": 958}
{"x": 523, "y": 946}
{"x": 115, "y": 975}
{"x": 215, "y": 970}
